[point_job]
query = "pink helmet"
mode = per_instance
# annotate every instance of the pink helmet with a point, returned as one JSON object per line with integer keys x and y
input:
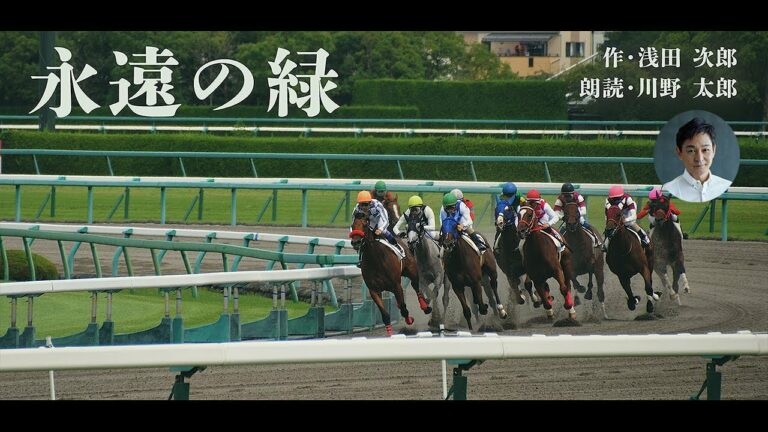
{"x": 615, "y": 191}
{"x": 654, "y": 194}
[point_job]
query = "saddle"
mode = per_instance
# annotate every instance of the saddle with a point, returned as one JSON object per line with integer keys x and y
{"x": 471, "y": 243}
{"x": 591, "y": 235}
{"x": 558, "y": 244}
{"x": 398, "y": 250}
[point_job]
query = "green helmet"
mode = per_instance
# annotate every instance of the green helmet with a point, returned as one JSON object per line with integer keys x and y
{"x": 380, "y": 186}
{"x": 415, "y": 201}
{"x": 449, "y": 199}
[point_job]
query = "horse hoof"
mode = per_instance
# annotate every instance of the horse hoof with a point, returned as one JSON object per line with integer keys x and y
{"x": 576, "y": 300}
{"x": 632, "y": 302}
{"x": 427, "y": 311}
{"x": 551, "y": 314}
{"x": 389, "y": 330}
{"x": 483, "y": 309}
{"x": 536, "y": 304}
{"x": 580, "y": 288}
{"x": 649, "y": 307}
{"x": 572, "y": 315}
{"x": 686, "y": 290}
{"x": 521, "y": 300}
{"x": 588, "y": 294}
{"x": 409, "y": 320}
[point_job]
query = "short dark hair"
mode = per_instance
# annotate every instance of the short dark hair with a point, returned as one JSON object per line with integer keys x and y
{"x": 693, "y": 128}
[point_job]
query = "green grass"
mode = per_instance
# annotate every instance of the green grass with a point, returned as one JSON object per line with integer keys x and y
{"x": 145, "y": 206}
{"x": 69, "y": 313}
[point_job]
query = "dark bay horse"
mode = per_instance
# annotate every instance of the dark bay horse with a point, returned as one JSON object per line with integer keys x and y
{"x": 668, "y": 249}
{"x": 428, "y": 260}
{"x": 507, "y": 251}
{"x": 382, "y": 270}
{"x": 542, "y": 261}
{"x": 627, "y": 258}
{"x": 393, "y": 209}
{"x": 465, "y": 268}
{"x": 586, "y": 258}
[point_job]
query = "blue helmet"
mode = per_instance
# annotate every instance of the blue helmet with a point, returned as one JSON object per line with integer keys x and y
{"x": 509, "y": 188}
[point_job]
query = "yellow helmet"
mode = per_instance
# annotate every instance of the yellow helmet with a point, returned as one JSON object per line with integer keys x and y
{"x": 363, "y": 196}
{"x": 415, "y": 201}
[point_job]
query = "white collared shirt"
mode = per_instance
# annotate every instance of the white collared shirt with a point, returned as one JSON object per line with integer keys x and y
{"x": 688, "y": 188}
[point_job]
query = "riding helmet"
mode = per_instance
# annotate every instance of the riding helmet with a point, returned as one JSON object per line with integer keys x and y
{"x": 363, "y": 196}
{"x": 459, "y": 195}
{"x": 449, "y": 199}
{"x": 615, "y": 191}
{"x": 415, "y": 201}
{"x": 509, "y": 188}
{"x": 567, "y": 188}
{"x": 533, "y": 194}
{"x": 655, "y": 194}
{"x": 380, "y": 186}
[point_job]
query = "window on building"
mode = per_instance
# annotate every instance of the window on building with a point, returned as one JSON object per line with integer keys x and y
{"x": 574, "y": 49}
{"x": 530, "y": 61}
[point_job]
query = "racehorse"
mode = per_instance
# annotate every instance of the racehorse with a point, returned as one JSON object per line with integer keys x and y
{"x": 668, "y": 250}
{"x": 382, "y": 270}
{"x": 466, "y": 268}
{"x": 543, "y": 261}
{"x": 626, "y": 257}
{"x": 428, "y": 259}
{"x": 393, "y": 209}
{"x": 586, "y": 258}
{"x": 507, "y": 252}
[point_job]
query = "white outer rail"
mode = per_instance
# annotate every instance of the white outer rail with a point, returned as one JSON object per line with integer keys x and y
{"x": 396, "y": 348}
{"x": 171, "y": 281}
{"x": 180, "y": 232}
{"x": 353, "y": 130}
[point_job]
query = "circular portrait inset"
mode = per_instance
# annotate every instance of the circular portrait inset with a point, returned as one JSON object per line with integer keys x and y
{"x": 696, "y": 156}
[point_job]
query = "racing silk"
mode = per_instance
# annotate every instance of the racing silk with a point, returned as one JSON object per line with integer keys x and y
{"x": 577, "y": 198}
{"x": 461, "y": 216}
{"x": 427, "y": 216}
{"x": 627, "y": 206}
{"x": 647, "y": 208}
{"x": 545, "y": 214}
{"x": 508, "y": 209}
{"x": 377, "y": 215}
{"x": 471, "y": 206}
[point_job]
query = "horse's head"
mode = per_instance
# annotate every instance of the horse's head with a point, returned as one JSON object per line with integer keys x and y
{"x": 614, "y": 220}
{"x": 393, "y": 208}
{"x": 660, "y": 210}
{"x": 571, "y": 215}
{"x": 527, "y": 220}
{"x": 415, "y": 226}
{"x": 359, "y": 228}
{"x": 449, "y": 235}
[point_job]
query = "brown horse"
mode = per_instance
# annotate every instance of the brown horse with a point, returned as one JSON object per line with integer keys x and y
{"x": 542, "y": 261}
{"x": 587, "y": 259}
{"x": 507, "y": 251}
{"x": 382, "y": 270}
{"x": 393, "y": 209}
{"x": 668, "y": 249}
{"x": 465, "y": 268}
{"x": 626, "y": 257}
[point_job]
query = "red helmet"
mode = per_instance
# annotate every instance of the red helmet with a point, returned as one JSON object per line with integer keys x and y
{"x": 615, "y": 191}
{"x": 533, "y": 194}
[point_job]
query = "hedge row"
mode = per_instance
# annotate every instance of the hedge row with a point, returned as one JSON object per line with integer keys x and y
{"x": 468, "y": 99}
{"x": 748, "y": 176}
{"x": 251, "y": 111}
{"x": 18, "y": 268}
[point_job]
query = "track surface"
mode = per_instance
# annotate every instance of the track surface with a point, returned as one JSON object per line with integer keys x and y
{"x": 728, "y": 282}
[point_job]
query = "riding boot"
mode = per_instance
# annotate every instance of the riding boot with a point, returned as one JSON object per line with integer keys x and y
{"x": 360, "y": 259}
{"x": 479, "y": 241}
{"x": 496, "y": 243}
{"x": 390, "y": 238}
{"x": 644, "y": 239}
{"x": 592, "y": 234}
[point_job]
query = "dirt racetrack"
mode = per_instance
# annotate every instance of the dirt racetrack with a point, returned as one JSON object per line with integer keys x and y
{"x": 729, "y": 293}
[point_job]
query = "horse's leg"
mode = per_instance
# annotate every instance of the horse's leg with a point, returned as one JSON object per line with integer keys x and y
{"x": 632, "y": 300}
{"x": 565, "y": 290}
{"x": 376, "y": 297}
{"x": 459, "y": 290}
{"x": 600, "y": 277}
{"x": 411, "y": 271}
{"x": 543, "y": 290}
{"x": 514, "y": 285}
{"x": 535, "y": 297}
{"x": 588, "y": 294}
{"x": 477, "y": 296}
{"x": 661, "y": 270}
{"x": 400, "y": 299}
{"x": 652, "y": 296}
{"x": 493, "y": 279}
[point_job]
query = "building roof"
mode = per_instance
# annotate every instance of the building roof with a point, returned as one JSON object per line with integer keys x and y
{"x": 531, "y": 36}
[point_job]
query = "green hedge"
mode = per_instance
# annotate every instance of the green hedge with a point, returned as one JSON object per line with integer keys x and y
{"x": 748, "y": 176}
{"x": 18, "y": 268}
{"x": 250, "y": 111}
{"x": 468, "y": 99}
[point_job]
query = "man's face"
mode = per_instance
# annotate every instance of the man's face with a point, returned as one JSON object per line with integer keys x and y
{"x": 697, "y": 156}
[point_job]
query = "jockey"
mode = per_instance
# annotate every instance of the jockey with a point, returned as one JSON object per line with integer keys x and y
{"x": 377, "y": 215}
{"x": 568, "y": 194}
{"x": 616, "y": 196}
{"x": 470, "y": 205}
{"x": 507, "y": 207}
{"x": 379, "y": 192}
{"x": 544, "y": 213}
{"x": 655, "y": 196}
{"x": 416, "y": 206}
{"x": 455, "y": 209}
